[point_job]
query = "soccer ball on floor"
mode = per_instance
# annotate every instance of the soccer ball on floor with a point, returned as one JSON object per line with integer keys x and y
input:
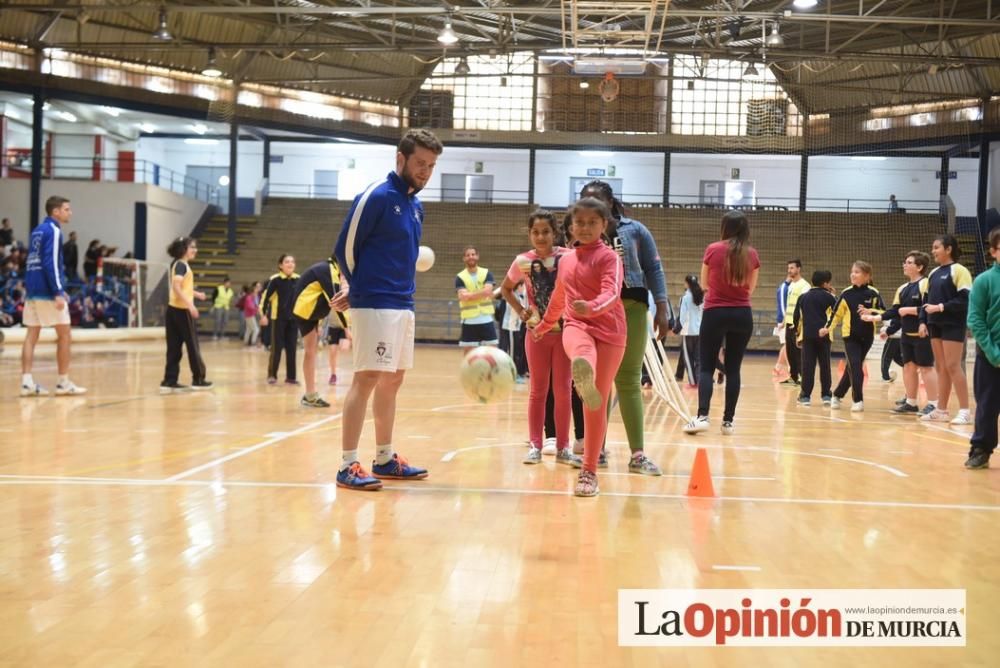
{"x": 487, "y": 374}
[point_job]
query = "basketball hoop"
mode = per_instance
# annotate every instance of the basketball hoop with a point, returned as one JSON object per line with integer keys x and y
{"x": 609, "y": 87}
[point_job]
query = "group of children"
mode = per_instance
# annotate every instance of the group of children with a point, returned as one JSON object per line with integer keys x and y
{"x": 929, "y": 311}
{"x": 291, "y": 305}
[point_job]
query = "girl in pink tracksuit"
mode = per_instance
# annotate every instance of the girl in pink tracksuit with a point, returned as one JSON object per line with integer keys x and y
{"x": 538, "y": 268}
{"x": 586, "y": 295}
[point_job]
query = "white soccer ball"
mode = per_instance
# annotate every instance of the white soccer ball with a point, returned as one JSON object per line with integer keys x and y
{"x": 487, "y": 374}
{"x": 425, "y": 258}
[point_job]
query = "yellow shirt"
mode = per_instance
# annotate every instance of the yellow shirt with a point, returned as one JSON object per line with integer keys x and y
{"x": 181, "y": 268}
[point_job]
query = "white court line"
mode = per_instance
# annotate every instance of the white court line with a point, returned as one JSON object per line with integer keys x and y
{"x": 687, "y": 475}
{"x": 140, "y": 482}
{"x": 963, "y": 434}
{"x": 253, "y": 448}
{"x": 829, "y": 449}
{"x": 449, "y": 407}
{"x": 449, "y": 456}
{"x": 899, "y": 452}
{"x": 720, "y": 567}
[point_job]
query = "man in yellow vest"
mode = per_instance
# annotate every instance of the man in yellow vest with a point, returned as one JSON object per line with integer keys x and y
{"x": 221, "y": 305}
{"x": 475, "y": 298}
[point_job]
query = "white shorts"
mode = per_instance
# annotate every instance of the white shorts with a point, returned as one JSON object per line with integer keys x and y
{"x": 383, "y": 339}
{"x": 43, "y": 313}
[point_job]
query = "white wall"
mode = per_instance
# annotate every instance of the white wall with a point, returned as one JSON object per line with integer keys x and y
{"x": 106, "y": 211}
{"x": 175, "y": 155}
{"x": 993, "y": 197}
{"x": 72, "y": 156}
{"x": 110, "y": 157}
{"x": 641, "y": 174}
{"x": 294, "y": 175}
{"x": 912, "y": 180}
{"x": 18, "y": 134}
{"x": 776, "y": 177}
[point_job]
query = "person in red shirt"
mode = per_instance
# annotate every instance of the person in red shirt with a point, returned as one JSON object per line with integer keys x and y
{"x": 587, "y": 297}
{"x": 729, "y": 273}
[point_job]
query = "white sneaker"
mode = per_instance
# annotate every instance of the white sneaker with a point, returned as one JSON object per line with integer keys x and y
{"x": 728, "y": 429}
{"x": 578, "y": 446}
{"x": 937, "y": 416}
{"x": 858, "y": 407}
{"x": 34, "y": 391}
{"x": 962, "y": 418}
{"x": 549, "y": 446}
{"x": 835, "y": 403}
{"x": 699, "y": 423}
{"x": 68, "y": 388}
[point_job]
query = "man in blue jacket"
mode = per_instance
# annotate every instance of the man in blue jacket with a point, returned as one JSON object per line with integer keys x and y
{"x": 46, "y": 303}
{"x": 377, "y": 253}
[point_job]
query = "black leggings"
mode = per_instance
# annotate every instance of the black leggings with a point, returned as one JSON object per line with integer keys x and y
{"x": 892, "y": 352}
{"x": 732, "y": 325}
{"x": 284, "y": 336}
{"x": 813, "y": 351}
{"x": 854, "y": 373}
{"x": 690, "y": 360}
{"x": 181, "y": 333}
{"x": 550, "y": 414}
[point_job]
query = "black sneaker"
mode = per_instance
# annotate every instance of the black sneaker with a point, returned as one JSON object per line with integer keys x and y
{"x": 979, "y": 459}
{"x": 901, "y": 401}
{"x": 201, "y": 385}
{"x": 905, "y": 408}
{"x": 168, "y": 388}
{"x": 314, "y": 401}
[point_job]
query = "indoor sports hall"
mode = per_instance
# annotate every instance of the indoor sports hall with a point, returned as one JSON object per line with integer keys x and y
{"x": 177, "y": 485}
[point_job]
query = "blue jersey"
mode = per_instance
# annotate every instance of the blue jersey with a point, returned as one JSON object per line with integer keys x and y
{"x": 45, "y": 275}
{"x": 377, "y": 248}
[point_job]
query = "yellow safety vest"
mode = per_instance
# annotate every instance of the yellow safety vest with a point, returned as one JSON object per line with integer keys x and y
{"x": 483, "y": 305}
{"x": 223, "y": 297}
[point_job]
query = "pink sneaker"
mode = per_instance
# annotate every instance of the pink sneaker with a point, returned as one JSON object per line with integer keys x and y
{"x": 333, "y": 379}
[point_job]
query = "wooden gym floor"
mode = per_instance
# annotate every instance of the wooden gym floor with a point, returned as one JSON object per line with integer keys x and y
{"x": 142, "y": 530}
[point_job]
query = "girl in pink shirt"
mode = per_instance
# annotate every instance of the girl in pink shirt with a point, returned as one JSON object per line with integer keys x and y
{"x": 538, "y": 269}
{"x": 586, "y": 295}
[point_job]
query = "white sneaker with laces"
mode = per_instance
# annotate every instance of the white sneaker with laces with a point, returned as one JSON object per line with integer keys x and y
{"x": 962, "y": 418}
{"x": 35, "y": 390}
{"x": 728, "y": 429}
{"x": 549, "y": 446}
{"x": 835, "y": 403}
{"x": 858, "y": 407}
{"x": 69, "y": 388}
{"x": 937, "y": 416}
{"x": 696, "y": 425}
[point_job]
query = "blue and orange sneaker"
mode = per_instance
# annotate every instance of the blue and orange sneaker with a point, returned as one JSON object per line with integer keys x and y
{"x": 397, "y": 468}
{"x": 355, "y": 477}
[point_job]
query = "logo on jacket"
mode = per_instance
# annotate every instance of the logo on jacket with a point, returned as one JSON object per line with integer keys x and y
{"x": 397, "y": 210}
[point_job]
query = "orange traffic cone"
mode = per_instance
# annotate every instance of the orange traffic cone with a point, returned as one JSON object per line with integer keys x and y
{"x": 700, "y": 483}
{"x": 843, "y": 365}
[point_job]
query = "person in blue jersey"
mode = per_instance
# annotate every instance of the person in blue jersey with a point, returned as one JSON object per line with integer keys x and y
{"x": 377, "y": 253}
{"x": 47, "y": 304}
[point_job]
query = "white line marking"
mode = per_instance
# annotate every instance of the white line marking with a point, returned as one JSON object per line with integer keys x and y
{"x": 829, "y": 449}
{"x": 899, "y": 452}
{"x": 963, "y": 434}
{"x": 688, "y": 475}
{"x": 889, "y": 469}
{"x": 277, "y": 434}
{"x": 719, "y": 567}
{"x": 486, "y": 438}
{"x": 450, "y": 406}
{"x": 139, "y": 482}
{"x": 253, "y": 448}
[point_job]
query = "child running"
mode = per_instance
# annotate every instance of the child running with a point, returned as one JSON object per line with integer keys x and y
{"x": 538, "y": 269}
{"x": 586, "y": 294}
{"x": 854, "y": 302}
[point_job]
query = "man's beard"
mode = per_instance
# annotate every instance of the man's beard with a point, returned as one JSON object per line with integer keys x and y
{"x": 410, "y": 181}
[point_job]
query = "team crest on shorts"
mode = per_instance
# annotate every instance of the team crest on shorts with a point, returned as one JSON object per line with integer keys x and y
{"x": 384, "y": 352}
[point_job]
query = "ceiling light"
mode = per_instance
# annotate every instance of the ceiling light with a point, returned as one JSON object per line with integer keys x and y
{"x": 775, "y": 38}
{"x": 584, "y": 85}
{"x": 66, "y": 116}
{"x": 114, "y": 112}
{"x": 462, "y": 69}
{"x": 751, "y": 72}
{"x": 596, "y": 154}
{"x": 199, "y": 128}
{"x": 805, "y": 4}
{"x": 163, "y": 32}
{"x": 211, "y": 69}
{"x": 447, "y": 35}
{"x": 147, "y": 127}
{"x": 198, "y": 141}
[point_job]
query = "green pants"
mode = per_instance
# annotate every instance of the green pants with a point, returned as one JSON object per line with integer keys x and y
{"x": 628, "y": 382}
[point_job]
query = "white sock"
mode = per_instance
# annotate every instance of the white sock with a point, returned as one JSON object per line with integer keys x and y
{"x": 383, "y": 453}
{"x": 27, "y": 380}
{"x": 963, "y": 411}
{"x": 911, "y": 402}
{"x": 932, "y": 404}
{"x": 350, "y": 456}
{"x": 63, "y": 379}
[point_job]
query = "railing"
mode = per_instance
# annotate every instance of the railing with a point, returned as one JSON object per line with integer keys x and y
{"x": 121, "y": 171}
{"x": 634, "y": 200}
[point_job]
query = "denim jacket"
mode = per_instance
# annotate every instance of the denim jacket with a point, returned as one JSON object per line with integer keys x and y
{"x": 642, "y": 262}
